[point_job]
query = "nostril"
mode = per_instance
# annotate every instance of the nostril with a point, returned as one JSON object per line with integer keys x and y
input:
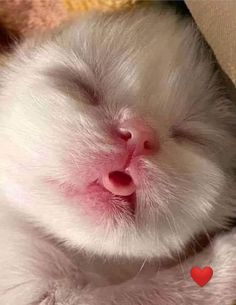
{"x": 125, "y": 134}
{"x": 148, "y": 145}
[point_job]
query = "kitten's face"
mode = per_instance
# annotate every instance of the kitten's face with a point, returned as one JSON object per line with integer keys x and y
{"x": 115, "y": 138}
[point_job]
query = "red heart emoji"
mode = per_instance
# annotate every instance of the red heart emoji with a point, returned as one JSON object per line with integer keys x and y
{"x": 201, "y": 276}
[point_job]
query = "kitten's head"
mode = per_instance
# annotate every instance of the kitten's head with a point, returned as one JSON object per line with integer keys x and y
{"x": 116, "y": 137}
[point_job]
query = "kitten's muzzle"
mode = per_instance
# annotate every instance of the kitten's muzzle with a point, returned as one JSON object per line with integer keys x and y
{"x": 140, "y": 140}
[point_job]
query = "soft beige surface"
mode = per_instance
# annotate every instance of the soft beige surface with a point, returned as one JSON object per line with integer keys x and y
{"x": 217, "y": 21}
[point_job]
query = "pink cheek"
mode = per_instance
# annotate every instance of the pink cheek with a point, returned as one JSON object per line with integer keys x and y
{"x": 64, "y": 188}
{"x": 96, "y": 203}
{"x": 70, "y": 192}
{"x": 91, "y": 197}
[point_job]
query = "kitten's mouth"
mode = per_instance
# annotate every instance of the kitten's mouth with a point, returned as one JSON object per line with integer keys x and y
{"x": 119, "y": 183}
{"x": 118, "y": 201}
{"x": 121, "y": 186}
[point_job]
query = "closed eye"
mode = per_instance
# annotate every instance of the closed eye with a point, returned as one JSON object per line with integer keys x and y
{"x": 73, "y": 83}
{"x": 181, "y": 135}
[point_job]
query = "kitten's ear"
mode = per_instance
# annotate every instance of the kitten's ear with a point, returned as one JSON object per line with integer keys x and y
{"x": 78, "y": 83}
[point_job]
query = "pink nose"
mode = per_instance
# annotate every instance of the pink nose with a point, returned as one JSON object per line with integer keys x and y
{"x": 139, "y": 136}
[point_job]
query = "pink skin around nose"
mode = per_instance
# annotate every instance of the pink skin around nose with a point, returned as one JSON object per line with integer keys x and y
{"x": 140, "y": 137}
{"x": 140, "y": 140}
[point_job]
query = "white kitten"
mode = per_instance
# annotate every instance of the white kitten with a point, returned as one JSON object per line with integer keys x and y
{"x": 117, "y": 142}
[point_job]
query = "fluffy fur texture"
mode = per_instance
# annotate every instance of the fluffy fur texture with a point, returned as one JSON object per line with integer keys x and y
{"x": 61, "y": 99}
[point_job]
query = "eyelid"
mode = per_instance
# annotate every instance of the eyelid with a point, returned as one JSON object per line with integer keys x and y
{"x": 73, "y": 84}
{"x": 181, "y": 133}
{"x": 89, "y": 91}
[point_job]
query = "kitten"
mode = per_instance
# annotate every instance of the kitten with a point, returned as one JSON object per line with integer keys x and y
{"x": 117, "y": 150}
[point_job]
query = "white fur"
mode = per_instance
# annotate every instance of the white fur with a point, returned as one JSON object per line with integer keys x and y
{"x": 144, "y": 63}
